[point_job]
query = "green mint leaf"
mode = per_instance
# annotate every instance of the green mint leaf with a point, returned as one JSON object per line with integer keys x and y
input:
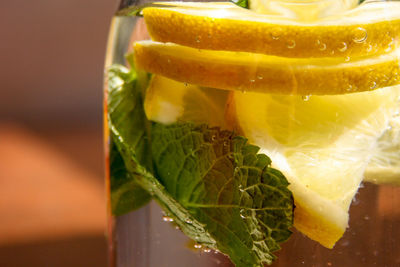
{"x": 215, "y": 186}
{"x": 124, "y": 103}
{"x": 126, "y": 194}
{"x": 241, "y": 3}
{"x": 243, "y": 203}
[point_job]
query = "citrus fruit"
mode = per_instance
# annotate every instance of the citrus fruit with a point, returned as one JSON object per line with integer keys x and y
{"x": 384, "y": 166}
{"x": 368, "y": 29}
{"x": 322, "y": 144}
{"x": 168, "y": 101}
{"x": 267, "y": 74}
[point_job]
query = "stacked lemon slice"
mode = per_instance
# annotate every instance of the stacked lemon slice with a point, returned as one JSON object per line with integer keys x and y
{"x": 315, "y": 96}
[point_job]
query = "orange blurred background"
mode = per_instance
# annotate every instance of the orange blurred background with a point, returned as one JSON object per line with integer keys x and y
{"x": 52, "y": 204}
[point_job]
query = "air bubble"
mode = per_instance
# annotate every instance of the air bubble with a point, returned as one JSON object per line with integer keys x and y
{"x": 305, "y": 97}
{"x": 198, "y": 246}
{"x": 373, "y": 85}
{"x": 343, "y": 47}
{"x": 167, "y": 219}
{"x": 360, "y": 35}
{"x": 322, "y": 47}
{"x": 291, "y": 44}
{"x": 347, "y": 59}
{"x": 213, "y": 137}
{"x": 241, "y": 214}
{"x": 275, "y": 35}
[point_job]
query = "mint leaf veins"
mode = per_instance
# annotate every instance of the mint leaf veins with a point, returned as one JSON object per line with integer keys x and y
{"x": 216, "y": 187}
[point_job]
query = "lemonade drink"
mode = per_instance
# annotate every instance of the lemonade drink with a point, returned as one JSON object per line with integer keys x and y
{"x": 242, "y": 124}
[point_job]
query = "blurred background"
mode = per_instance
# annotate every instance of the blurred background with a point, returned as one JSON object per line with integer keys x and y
{"x": 52, "y": 201}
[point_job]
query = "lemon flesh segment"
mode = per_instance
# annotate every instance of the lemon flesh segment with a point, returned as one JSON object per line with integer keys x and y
{"x": 322, "y": 145}
{"x": 168, "y": 101}
{"x": 267, "y": 74}
{"x": 384, "y": 167}
{"x": 368, "y": 29}
{"x": 302, "y": 10}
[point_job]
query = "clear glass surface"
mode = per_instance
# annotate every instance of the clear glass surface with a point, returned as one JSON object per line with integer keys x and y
{"x": 143, "y": 238}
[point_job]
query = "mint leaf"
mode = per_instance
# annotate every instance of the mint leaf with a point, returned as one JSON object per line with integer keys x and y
{"x": 243, "y": 203}
{"x": 215, "y": 186}
{"x": 126, "y": 193}
{"x": 124, "y": 104}
{"x": 241, "y": 3}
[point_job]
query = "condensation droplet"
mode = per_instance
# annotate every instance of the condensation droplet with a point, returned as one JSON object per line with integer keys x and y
{"x": 305, "y": 97}
{"x": 343, "y": 47}
{"x": 373, "y": 85}
{"x": 347, "y": 59}
{"x": 167, "y": 219}
{"x": 213, "y": 137}
{"x": 291, "y": 44}
{"x": 360, "y": 35}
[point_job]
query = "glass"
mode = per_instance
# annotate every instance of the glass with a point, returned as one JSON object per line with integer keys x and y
{"x": 149, "y": 237}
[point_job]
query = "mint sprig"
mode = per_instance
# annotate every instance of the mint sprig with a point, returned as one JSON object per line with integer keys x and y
{"x": 215, "y": 186}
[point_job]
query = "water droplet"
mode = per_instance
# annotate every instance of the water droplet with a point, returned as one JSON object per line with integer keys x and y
{"x": 305, "y": 97}
{"x": 237, "y": 169}
{"x": 197, "y": 246}
{"x": 260, "y": 77}
{"x": 216, "y": 252}
{"x": 291, "y": 44}
{"x": 206, "y": 250}
{"x": 213, "y": 137}
{"x": 373, "y": 85}
{"x": 369, "y": 48}
{"x": 167, "y": 219}
{"x": 188, "y": 221}
{"x": 347, "y": 59}
{"x": 360, "y": 35}
{"x": 343, "y": 47}
{"x": 226, "y": 143}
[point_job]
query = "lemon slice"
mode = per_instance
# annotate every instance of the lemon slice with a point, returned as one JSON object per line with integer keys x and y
{"x": 321, "y": 144}
{"x": 168, "y": 101}
{"x": 267, "y": 74}
{"x": 302, "y": 10}
{"x": 384, "y": 167}
{"x": 365, "y": 30}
